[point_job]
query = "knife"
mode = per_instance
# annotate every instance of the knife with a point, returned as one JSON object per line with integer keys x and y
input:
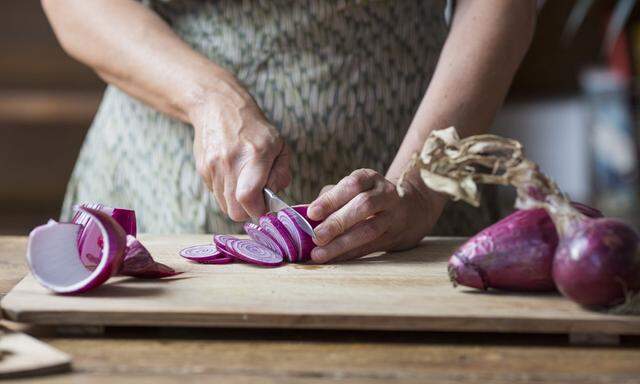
{"x": 275, "y": 204}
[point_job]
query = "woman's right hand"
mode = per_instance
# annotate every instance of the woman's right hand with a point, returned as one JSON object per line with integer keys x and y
{"x": 237, "y": 151}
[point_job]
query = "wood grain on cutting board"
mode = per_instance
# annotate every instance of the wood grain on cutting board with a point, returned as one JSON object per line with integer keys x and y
{"x": 396, "y": 291}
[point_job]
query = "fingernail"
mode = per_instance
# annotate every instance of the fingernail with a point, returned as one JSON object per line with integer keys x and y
{"x": 313, "y": 212}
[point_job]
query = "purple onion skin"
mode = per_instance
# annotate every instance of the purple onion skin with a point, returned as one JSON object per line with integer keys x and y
{"x": 117, "y": 239}
{"x": 138, "y": 262}
{"x": 302, "y": 209}
{"x": 598, "y": 263}
{"x": 127, "y": 220}
{"x": 514, "y": 254}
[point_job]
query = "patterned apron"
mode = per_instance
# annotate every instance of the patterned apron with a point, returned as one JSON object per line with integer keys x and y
{"x": 339, "y": 79}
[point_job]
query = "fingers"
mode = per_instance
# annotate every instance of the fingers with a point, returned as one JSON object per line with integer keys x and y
{"x": 280, "y": 176}
{"x": 359, "y": 209}
{"x": 359, "y": 181}
{"x": 325, "y": 189}
{"x": 217, "y": 188}
{"x": 361, "y": 234}
{"x": 235, "y": 211}
{"x": 267, "y": 165}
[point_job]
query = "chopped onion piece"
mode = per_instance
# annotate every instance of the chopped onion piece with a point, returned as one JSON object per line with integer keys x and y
{"x": 54, "y": 259}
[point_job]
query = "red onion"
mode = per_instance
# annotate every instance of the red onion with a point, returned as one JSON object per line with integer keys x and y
{"x": 597, "y": 260}
{"x": 303, "y": 242}
{"x": 139, "y": 263}
{"x": 515, "y": 254}
{"x": 205, "y": 254}
{"x": 89, "y": 239}
{"x": 220, "y": 242}
{"x": 254, "y": 253}
{"x": 54, "y": 258}
{"x": 260, "y": 235}
{"x": 281, "y": 235}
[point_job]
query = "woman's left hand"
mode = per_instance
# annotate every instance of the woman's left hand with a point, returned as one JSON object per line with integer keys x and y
{"x": 363, "y": 213}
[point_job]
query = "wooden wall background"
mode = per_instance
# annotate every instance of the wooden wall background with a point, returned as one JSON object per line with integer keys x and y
{"x": 47, "y": 101}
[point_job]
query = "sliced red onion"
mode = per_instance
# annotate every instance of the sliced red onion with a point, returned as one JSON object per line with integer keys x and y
{"x": 54, "y": 259}
{"x": 302, "y": 210}
{"x": 89, "y": 239}
{"x": 205, "y": 254}
{"x": 254, "y": 253}
{"x": 304, "y": 243}
{"x": 221, "y": 243}
{"x": 271, "y": 225}
{"x": 139, "y": 263}
{"x": 258, "y": 234}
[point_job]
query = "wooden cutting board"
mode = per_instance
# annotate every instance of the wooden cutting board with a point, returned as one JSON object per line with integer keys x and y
{"x": 396, "y": 291}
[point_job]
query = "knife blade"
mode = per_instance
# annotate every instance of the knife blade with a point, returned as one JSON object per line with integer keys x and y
{"x": 275, "y": 204}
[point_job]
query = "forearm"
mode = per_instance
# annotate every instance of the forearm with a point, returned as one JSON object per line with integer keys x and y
{"x": 487, "y": 42}
{"x": 129, "y": 46}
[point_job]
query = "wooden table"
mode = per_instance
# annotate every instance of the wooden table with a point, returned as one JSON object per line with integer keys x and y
{"x": 284, "y": 356}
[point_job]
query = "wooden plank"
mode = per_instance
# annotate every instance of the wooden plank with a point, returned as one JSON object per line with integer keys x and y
{"x": 23, "y": 356}
{"x": 400, "y": 291}
{"x": 199, "y": 355}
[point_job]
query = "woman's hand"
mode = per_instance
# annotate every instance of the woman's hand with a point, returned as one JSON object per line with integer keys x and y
{"x": 237, "y": 151}
{"x": 363, "y": 213}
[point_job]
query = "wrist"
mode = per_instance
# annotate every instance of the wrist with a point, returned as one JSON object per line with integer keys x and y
{"x": 220, "y": 91}
{"x": 422, "y": 197}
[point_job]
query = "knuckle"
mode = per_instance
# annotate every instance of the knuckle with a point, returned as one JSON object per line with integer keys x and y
{"x": 236, "y": 214}
{"x": 336, "y": 226}
{"x": 245, "y": 195}
{"x": 361, "y": 178}
{"x": 367, "y": 204}
{"x": 371, "y": 230}
{"x": 354, "y": 183}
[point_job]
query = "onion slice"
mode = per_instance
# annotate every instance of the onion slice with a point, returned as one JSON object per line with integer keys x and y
{"x": 303, "y": 242}
{"x": 220, "y": 242}
{"x": 89, "y": 239}
{"x": 139, "y": 263}
{"x": 254, "y": 253}
{"x": 54, "y": 259}
{"x": 259, "y": 235}
{"x": 271, "y": 225}
{"x": 205, "y": 254}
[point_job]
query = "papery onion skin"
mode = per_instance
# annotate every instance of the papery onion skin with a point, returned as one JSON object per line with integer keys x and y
{"x": 597, "y": 263}
{"x": 514, "y": 254}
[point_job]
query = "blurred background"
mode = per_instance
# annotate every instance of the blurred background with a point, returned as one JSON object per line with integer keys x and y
{"x": 573, "y": 104}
